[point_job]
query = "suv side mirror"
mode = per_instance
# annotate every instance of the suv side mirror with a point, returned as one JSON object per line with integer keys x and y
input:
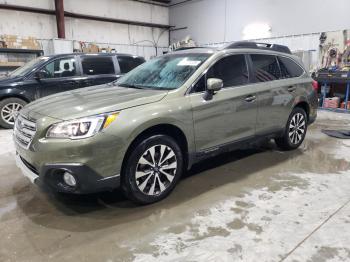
{"x": 213, "y": 85}
{"x": 39, "y": 75}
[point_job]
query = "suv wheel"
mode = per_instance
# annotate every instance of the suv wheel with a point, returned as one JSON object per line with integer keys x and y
{"x": 9, "y": 108}
{"x": 295, "y": 130}
{"x": 152, "y": 169}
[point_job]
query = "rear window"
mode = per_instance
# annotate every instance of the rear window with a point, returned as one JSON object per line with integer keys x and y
{"x": 97, "y": 65}
{"x": 265, "y": 68}
{"x": 289, "y": 68}
{"x": 128, "y": 63}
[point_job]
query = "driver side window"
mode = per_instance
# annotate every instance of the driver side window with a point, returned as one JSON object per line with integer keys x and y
{"x": 232, "y": 70}
{"x": 63, "y": 67}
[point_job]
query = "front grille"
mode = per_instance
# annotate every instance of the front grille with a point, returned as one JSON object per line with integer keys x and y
{"x": 24, "y": 131}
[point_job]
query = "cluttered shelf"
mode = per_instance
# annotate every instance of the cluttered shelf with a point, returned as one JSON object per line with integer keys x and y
{"x": 333, "y": 77}
{"x": 18, "y": 50}
{"x": 335, "y": 89}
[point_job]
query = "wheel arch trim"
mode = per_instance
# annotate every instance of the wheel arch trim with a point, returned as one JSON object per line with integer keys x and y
{"x": 172, "y": 129}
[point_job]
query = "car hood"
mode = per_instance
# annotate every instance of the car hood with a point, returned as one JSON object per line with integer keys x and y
{"x": 91, "y": 101}
{"x": 6, "y": 80}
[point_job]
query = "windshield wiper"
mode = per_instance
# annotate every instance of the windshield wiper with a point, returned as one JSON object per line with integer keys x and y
{"x": 131, "y": 86}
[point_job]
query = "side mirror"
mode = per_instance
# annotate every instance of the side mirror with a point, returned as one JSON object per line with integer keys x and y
{"x": 213, "y": 85}
{"x": 39, "y": 75}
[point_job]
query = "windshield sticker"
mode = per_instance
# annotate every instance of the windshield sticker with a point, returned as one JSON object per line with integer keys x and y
{"x": 186, "y": 62}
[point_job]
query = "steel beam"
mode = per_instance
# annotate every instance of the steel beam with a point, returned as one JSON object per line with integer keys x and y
{"x": 59, "y": 10}
{"x": 81, "y": 16}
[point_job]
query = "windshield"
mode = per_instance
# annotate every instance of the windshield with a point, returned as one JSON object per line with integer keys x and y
{"x": 165, "y": 72}
{"x": 30, "y": 66}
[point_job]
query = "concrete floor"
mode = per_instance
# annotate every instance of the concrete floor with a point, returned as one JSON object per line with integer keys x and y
{"x": 253, "y": 205}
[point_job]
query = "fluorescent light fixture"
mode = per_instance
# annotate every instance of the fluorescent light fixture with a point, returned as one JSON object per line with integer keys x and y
{"x": 256, "y": 31}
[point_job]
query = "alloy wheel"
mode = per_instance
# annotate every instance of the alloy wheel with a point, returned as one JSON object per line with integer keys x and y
{"x": 10, "y": 111}
{"x": 297, "y": 128}
{"x": 156, "y": 170}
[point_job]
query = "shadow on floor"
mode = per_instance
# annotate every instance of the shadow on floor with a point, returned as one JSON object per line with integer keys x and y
{"x": 90, "y": 212}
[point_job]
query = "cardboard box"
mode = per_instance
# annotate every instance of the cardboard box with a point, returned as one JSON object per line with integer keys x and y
{"x": 12, "y": 64}
{"x": 94, "y": 48}
{"x": 331, "y": 102}
{"x": 12, "y": 41}
{"x": 86, "y": 50}
{"x": 342, "y": 105}
{"x": 9, "y": 37}
{"x": 91, "y": 48}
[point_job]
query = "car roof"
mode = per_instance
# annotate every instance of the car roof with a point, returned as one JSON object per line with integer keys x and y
{"x": 220, "y": 50}
{"x": 239, "y": 47}
{"x": 196, "y": 50}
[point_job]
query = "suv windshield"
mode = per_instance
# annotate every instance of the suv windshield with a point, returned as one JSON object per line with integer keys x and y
{"x": 165, "y": 72}
{"x": 30, "y": 66}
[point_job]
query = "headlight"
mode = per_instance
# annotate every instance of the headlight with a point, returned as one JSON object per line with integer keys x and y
{"x": 81, "y": 128}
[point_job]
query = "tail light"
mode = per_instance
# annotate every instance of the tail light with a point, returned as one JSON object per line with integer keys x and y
{"x": 315, "y": 85}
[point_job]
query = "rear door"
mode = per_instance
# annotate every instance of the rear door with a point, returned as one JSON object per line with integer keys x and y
{"x": 231, "y": 113}
{"x": 97, "y": 69}
{"x": 274, "y": 91}
{"x": 59, "y": 75}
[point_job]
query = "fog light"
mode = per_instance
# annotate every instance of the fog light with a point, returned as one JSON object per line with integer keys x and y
{"x": 69, "y": 179}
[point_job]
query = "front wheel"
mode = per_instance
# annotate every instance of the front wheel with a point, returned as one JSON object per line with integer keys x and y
{"x": 152, "y": 169}
{"x": 9, "y": 108}
{"x": 295, "y": 130}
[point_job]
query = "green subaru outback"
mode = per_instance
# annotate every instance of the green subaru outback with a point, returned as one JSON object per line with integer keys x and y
{"x": 142, "y": 132}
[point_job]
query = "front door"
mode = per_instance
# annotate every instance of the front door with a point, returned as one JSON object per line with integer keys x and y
{"x": 230, "y": 115}
{"x": 59, "y": 75}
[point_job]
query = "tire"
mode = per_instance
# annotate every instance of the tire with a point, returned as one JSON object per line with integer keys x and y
{"x": 143, "y": 181}
{"x": 295, "y": 130}
{"x": 9, "y": 107}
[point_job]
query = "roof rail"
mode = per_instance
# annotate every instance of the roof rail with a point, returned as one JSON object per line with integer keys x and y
{"x": 254, "y": 45}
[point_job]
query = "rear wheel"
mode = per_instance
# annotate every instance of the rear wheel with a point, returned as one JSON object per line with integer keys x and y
{"x": 9, "y": 108}
{"x": 152, "y": 169}
{"x": 295, "y": 130}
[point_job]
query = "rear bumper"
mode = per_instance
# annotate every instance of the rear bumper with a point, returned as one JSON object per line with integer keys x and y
{"x": 51, "y": 176}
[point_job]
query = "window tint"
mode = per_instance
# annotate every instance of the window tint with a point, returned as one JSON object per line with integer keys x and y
{"x": 265, "y": 68}
{"x": 128, "y": 63}
{"x": 232, "y": 70}
{"x": 97, "y": 65}
{"x": 63, "y": 67}
{"x": 289, "y": 68}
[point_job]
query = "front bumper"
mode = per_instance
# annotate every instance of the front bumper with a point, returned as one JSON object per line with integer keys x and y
{"x": 51, "y": 176}
{"x": 26, "y": 171}
{"x": 95, "y": 162}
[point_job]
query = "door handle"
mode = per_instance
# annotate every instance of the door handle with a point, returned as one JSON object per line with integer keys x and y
{"x": 250, "y": 99}
{"x": 291, "y": 88}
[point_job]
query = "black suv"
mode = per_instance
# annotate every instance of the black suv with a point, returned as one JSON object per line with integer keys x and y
{"x": 48, "y": 75}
